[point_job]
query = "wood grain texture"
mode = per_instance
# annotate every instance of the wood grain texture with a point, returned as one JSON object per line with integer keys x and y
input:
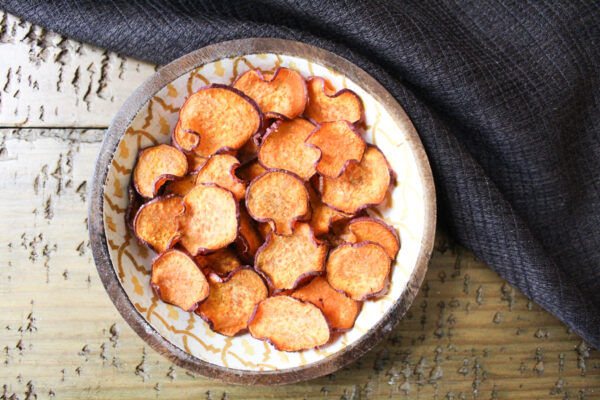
{"x": 468, "y": 335}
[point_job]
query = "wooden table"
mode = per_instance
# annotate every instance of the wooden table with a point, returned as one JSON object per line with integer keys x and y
{"x": 468, "y": 335}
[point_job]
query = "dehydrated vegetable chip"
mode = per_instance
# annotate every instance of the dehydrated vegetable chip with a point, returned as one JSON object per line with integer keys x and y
{"x": 223, "y": 117}
{"x": 340, "y": 144}
{"x": 249, "y": 240}
{"x": 231, "y": 301}
{"x": 195, "y": 162}
{"x": 325, "y": 104}
{"x": 282, "y": 94}
{"x": 289, "y": 324}
{"x": 156, "y": 165}
{"x": 250, "y": 171}
{"x": 220, "y": 169}
{"x": 283, "y": 147}
{"x": 280, "y": 197}
{"x": 322, "y": 215}
{"x": 210, "y": 221}
{"x": 360, "y": 185}
{"x": 340, "y": 310}
{"x": 360, "y": 270}
{"x": 375, "y": 230}
{"x": 221, "y": 262}
{"x": 287, "y": 261}
{"x": 178, "y": 280}
{"x": 182, "y": 186}
{"x": 156, "y": 222}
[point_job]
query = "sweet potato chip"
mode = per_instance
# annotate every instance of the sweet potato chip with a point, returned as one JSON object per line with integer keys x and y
{"x": 283, "y": 147}
{"x": 231, "y": 301}
{"x": 182, "y": 186}
{"x": 248, "y": 152}
{"x": 287, "y": 261}
{"x": 325, "y": 104}
{"x": 282, "y": 94}
{"x": 322, "y": 215}
{"x": 264, "y": 228}
{"x": 221, "y": 262}
{"x": 223, "y": 118}
{"x": 374, "y": 230}
{"x": 195, "y": 162}
{"x": 184, "y": 140}
{"x": 289, "y": 324}
{"x": 156, "y": 222}
{"x": 220, "y": 170}
{"x": 360, "y": 270}
{"x": 250, "y": 171}
{"x": 249, "y": 240}
{"x": 210, "y": 221}
{"x": 177, "y": 280}
{"x": 340, "y": 310}
{"x": 156, "y": 165}
{"x": 279, "y": 197}
{"x": 340, "y": 143}
{"x": 360, "y": 185}
{"x": 134, "y": 204}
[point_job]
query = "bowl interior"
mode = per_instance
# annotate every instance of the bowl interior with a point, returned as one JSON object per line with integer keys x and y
{"x": 404, "y": 209}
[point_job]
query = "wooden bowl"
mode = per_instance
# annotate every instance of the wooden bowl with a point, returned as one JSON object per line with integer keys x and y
{"x": 148, "y": 118}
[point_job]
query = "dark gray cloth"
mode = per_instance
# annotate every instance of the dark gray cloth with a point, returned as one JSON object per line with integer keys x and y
{"x": 504, "y": 94}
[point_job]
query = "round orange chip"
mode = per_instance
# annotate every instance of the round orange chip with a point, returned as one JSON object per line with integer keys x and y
{"x": 184, "y": 140}
{"x": 283, "y": 147}
{"x": 287, "y": 261}
{"x": 177, "y": 280}
{"x": 325, "y": 104}
{"x": 250, "y": 171}
{"x": 340, "y": 143}
{"x": 182, "y": 186}
{"x": 282, "y": 94}
{"x": 195, "y": 162}
{"x": 360, "y": 270}
{"x": 155, "y": 223}
{"x": 340, "y": 310}
{"x": 360, "y": 185}
{"x": 249, "y": 240}
{"x": 223, "y": 118}
{"x": 322, "y": 216}
{"x": 289, "y": 324}
{"x": 155, "y": 166}
{"x": 221, "y": 262}
{"x": 374, "y": 230}
{"x": 232, "y": 301}
{"x": 279, "y": 197}
{"x": 210, "y": 221}
{"x": 220, "y": 169}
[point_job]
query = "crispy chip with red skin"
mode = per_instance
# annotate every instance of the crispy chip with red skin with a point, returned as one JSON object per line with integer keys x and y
{"x": 283, "y": 147}
{"x": 279, "y": 197}
{"x": 156, "y": 222}
{"x": 210, "y": 221}
{"x": 232, "y": 300}
{"x": 195, "y": 162}
{"x": 223, "y": 117}
{"x": 340, "y": 143}
{"x": 375, "y": 230}
{"x": 184, "y": 140}
{"x": 287, "y": 261}
{"x": 340, "y": 310}
{"x": 182, "y": 186}
{"x": 360, "y": 270}
{"x": 325, "y": 104}
{"x": 220, "y": 170}
{"x": 279, "y": 95}
{"x": 249, "y": 240}
{"x": 177, "y": 280}
{"x": 155, "y": 166}
{"x": 221, "y": 262}
{"x": 360, "y": 185}
{"x": 289, "y": 324}
{"x": 250, "y": 171}
{"x": 322, "y": 216}
{"x": 264, "y": 228}
{"x": 134, "y": 204}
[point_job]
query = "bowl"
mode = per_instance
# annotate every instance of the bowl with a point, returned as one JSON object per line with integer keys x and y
{"x": 148, "y": 117}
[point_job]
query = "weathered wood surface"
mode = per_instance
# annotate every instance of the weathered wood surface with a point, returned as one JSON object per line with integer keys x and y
{"x": 469, "y": 335}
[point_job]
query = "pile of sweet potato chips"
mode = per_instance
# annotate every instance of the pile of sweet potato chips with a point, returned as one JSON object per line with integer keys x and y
{"x": 257, "y": 209}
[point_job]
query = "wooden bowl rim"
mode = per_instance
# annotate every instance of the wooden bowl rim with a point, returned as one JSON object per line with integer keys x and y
{"x": 100, "y": 250}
